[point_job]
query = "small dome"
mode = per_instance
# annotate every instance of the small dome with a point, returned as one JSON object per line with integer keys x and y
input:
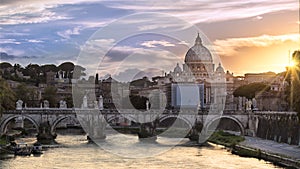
{"x": 198, "y": 52}
{"x": 177, "y": 69}
{"x": 220, "y": 69}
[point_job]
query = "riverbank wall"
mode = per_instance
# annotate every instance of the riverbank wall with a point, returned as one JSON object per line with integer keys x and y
{"x": 281, "y": 128}
{"x": 276, "y": 159}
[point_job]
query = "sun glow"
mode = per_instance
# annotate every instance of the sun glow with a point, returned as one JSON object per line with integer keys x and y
{"x": 292, "y": 64}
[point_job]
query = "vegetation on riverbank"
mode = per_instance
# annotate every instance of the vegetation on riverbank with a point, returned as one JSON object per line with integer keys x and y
{"x": 3, "y": 140}
{"x": 225, "y": 139}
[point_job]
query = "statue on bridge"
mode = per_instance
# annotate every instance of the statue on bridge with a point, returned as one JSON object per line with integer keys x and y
{"x": 63, "y": 104}
{"x": 85, "y": 102}
{"x": 147, "y": 105}
{"x": 100, "y": 102}
{"x": 249, "y": 105}
{"x": 46, "y": 104}
{"x": 96, "y": 106}
{"x": 19, "y": 105}
{"x": 254, "y": 104}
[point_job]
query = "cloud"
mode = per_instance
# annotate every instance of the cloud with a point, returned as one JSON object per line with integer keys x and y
{"x": 92, "y": 54}
{"x": 207, "y": 10}
{"x": 14, "y": 15}
{"x": 258, "y": 18}
{"x": 69, "y": 32}
{"x": 96, "y": 58}
{"x": 35, "y": 41}
{"x": 183, "y": 43}
{"x": 229, "y": 47}
{"x": 92, "y": 24}
{"x": 97, "y": 46}
{"x": 139, "y": 59}
{"x": 33, "y": 11}
{"x": 154, "y": 43}
{"x": 9, "y": 41}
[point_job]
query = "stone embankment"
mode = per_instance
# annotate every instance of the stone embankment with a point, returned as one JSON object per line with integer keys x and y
{"x": 278, "y": 153}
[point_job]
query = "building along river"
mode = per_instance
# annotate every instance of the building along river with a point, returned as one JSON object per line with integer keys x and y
{"x": 75, "y": 152}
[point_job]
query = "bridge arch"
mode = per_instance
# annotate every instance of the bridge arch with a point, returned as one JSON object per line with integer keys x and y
{"x": 57, "y": 121}
{"x": 6, "y": 121}
{"x": 188, "y": 122}
{"x": 111, "y": 118}
{"x": 235, "y": 120}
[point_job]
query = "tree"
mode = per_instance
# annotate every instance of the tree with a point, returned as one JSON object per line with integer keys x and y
{"x": 69, "y": 101}
{"x": 78, "y": 72}
{"x": 50, "y": 94}
{"x": 7, "y": 97}
{"x": 138, "y": 102}
{"x": 25, "y": 94}
{"x": 250, "y": 90}
{"x": 48, "y": 68}
{"x": 5, "y": 65}
{"x": 68, "y": 68}
{"x": 293, "y": 76}
{"x": 32, "y": 70}
{"x": 97, "y": 79}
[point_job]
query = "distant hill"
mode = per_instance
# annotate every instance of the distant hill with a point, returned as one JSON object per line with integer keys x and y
{"x": 5, "y": 56}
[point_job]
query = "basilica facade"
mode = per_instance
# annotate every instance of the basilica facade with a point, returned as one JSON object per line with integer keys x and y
{"x": 197, "y": 83}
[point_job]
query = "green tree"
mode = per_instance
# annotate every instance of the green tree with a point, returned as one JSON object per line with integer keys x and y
{"x": 32, "y": 70}
{"x": 48, "y": 68}
{"x": 25, "y": 94}
{"x": 68, "y": 68}
{"x": 44, "y": 69}
{"x": 69, "y": 101}
{"x": 250, "y": 90}
{"x": 97, "y": 79}
{"x": 7, "y": 97}
{"x": 50, "y": 94}
{"x": 138, "y": 102}
{"x": 5, "y": 65}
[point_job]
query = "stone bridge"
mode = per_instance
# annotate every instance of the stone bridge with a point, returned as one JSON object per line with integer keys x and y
{"x": 95, "y": 121}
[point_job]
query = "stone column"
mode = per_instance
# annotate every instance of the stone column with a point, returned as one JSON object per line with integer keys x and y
{"x": 45, "y": 136}
{"x": 147, "y": 131}
{"x": 96, "y": 128}
{"x": 195, "y": 131}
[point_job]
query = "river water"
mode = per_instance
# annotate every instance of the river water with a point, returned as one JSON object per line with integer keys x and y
{"x": 77, "y": 153}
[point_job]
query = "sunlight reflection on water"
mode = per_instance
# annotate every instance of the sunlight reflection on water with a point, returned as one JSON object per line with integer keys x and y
{"x": 76, "y": 153}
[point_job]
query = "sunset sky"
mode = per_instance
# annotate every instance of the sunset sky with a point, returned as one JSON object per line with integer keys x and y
{"x": 248, "y": 36}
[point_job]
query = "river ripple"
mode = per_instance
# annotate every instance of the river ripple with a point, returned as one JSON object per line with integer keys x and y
{"x": 76, "y": 153}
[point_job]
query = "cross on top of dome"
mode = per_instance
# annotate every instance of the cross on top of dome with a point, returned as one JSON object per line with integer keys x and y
{"x": 198, "y": 53}
{"x": 198, "y": 40}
